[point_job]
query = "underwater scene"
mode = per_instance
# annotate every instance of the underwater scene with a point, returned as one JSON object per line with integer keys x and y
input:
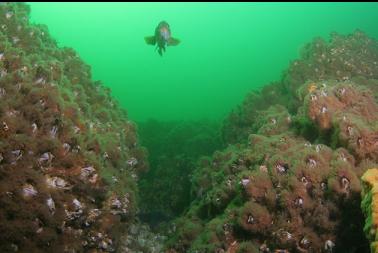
{"x": 189, "y": 127}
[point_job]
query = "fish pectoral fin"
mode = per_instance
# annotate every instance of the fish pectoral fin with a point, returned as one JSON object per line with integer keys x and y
{"x": 173, "y": 42}
{"x": 150, "y": 40}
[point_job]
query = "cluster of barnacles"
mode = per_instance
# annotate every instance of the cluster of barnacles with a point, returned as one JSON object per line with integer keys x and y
{"x": 119, "y": 206}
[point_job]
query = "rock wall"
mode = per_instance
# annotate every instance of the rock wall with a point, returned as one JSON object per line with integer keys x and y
{"x": 69, "y": 157}
{"x": 291, "y": 180}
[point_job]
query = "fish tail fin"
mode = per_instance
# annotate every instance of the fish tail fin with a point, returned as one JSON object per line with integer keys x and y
{"x": 150, "y": 40}
{"x": 173, "y": 42}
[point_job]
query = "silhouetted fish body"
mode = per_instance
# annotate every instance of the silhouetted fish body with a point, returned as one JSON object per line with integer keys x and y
{"x": 162, "y": 37}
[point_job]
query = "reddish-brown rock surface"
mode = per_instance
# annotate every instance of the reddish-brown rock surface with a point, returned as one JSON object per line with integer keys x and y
{"x": 69, "y": 157}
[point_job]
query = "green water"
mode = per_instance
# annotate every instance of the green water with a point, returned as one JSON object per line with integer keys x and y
{"x": 227, "y": 49}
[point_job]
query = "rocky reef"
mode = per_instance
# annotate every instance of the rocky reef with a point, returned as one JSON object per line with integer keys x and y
{"x": 287, "y": 180}
{"x": 290, "y": 179}
{"x": 69, "y": 156}
{"x": 343, "y": 58}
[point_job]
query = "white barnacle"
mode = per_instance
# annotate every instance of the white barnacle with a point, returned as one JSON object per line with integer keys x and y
{"x": 2, "y": 92}
{"x": 281, "y": 168}
{"x": 132, "y": 161}
{"x": 289, "y": 236}
{"x": 77, "y": 204}
{"x": 66, "y": 147}
{"x": 115, "y": 179}
{"x": 39, "y": 224}
{"x": 323, "y": 186}
{"x": 250, "y": 219}
{"x": 5, "y": 126}
{"x": 56, "y": 182}
{"x": 86, "y": 172}
{"x": 17, "y": 154}
{"x": 42, "y": 102}
{"x": 313, "y": 97}
{"x": 329, "y": 245}
{"x": 360, "y": 142}
{"x": 323, "y": 93}
{"x": 245, "y": 181}
{"x": 76, "y": 149}
{"x": 298, "y": 202}
{"x": 323, "y": 109}
{"x": 304, "y": 180}
{"x": 304, "y": 242}
{"x": 1, "y": 56}
{"x": 74, "y": 214}
{"x": 34, "y": 127}
{"x": 342, "y": 157}
{"x": 29, "y": 191}
{"x": 264, "y": 248}
{"x": 51, "y": 205}
{"x": 40, "y": 80}
{"x": 345, "y": 183}
{"x": 286, "y": 234}
{"x": 273, "y": 121}
{"x": 76, "y": 129}
{"x": 106, "y": 155}
{"x": 45, "y": 158}
{"x": 342, "y": 91}
{"x": 318, "y": 148}
{"x": 116, "y": 203}
{"x": 53, "y": 131}
{"x": 350, "y": 130}
{"x": 311, "y": 162}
